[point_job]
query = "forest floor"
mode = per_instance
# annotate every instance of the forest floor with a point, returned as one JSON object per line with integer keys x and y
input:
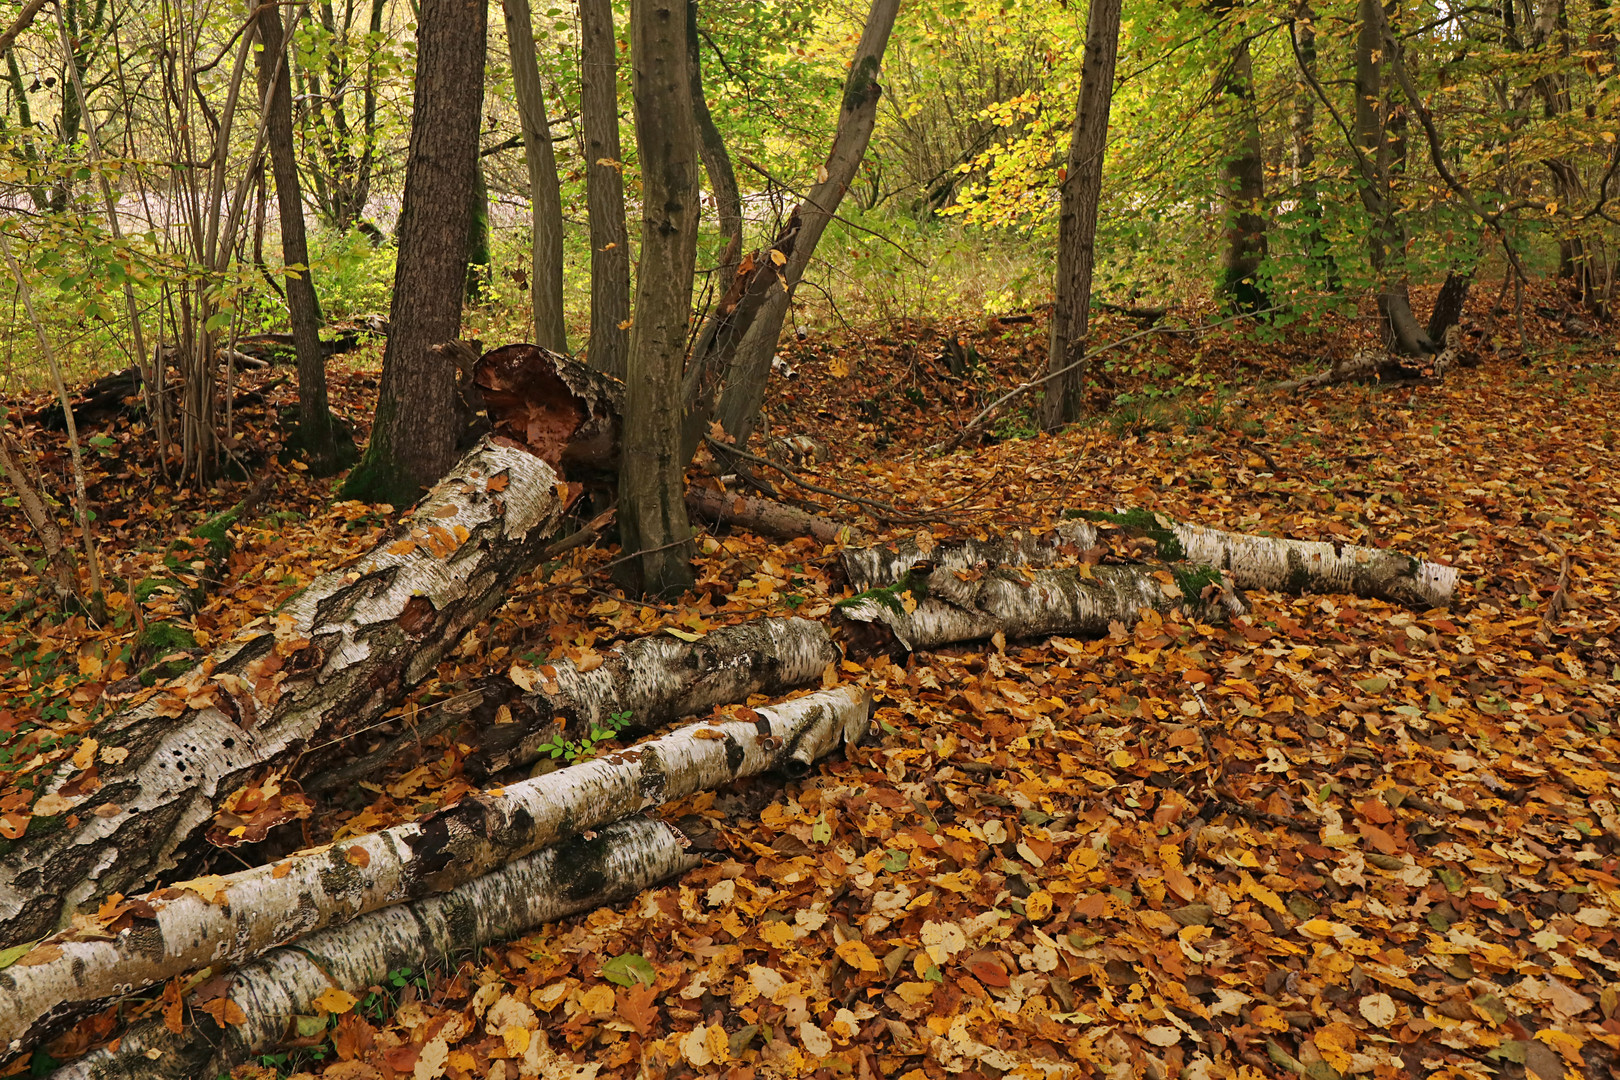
{"x": 1334, "y": 838}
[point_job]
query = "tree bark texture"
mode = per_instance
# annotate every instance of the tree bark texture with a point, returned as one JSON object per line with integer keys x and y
{"x": 545, "y": 189}
{"x": 604, "y": 188}
{"x": 1079, "y": 194}
{"x": 652, "y": 507}
{"x": 417, "y": 424}
{"x": 654, "y": 679}
{"x": 229, "y": 920}
{"x": 337, "y": 656}
{"x": 766, "y": 517}
{"x": 576, "y": 875}
{"x": 747, "y": 359}
{"x": 315, "y": 436}
{"x": 1302, "y": 137}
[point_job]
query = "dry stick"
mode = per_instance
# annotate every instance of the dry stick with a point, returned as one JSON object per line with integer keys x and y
{"x": 1560, "y": 596}
{"x": 979, "y": 421}
{"x": 82, "y": 499}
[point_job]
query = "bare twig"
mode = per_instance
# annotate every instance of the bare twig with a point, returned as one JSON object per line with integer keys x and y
{"x": 881, "y": 510}
{"x": 1559, "y": 601}
{"x": 25, "y": 19}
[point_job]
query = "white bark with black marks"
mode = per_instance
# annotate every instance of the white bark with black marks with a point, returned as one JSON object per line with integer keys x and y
{"x": 576, "y": 875}
{"x": 229, "y": 920}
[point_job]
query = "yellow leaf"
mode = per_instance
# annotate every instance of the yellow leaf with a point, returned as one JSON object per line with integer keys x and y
{"x": 778, "y": 935}
{"x": 1038, "y": 905}
{"x": 335, "y": 1001}
{"x": 778, "y": 258}
{"x": 1379, "y": 1009}
{"x": 684, "y": 635}
{"x": 210, "y": 887}
{"x": 85, "y": 754}
{"x": 516, "y": 1039}
{"x": 1263, "y": 894}
{"x": 857, "y": 954}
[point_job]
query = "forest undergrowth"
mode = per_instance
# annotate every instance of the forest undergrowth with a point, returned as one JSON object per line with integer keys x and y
{"x": 1333, "y": 838}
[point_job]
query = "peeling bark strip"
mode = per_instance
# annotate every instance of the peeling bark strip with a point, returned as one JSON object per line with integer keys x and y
{"x": 1023, "y": 603}
{"x": 578, "y": 875}
{"x": 229, "y": 920}
{"x": 332, "y": 661}
{"x": 655, "y": 679}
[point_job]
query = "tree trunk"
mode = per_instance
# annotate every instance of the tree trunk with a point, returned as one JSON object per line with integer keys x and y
{"x": 1386, "y": 239}
{"x": 417, "y": 423}
{"x": 230, "y": 920}
{"x": 578, "y": 875}
{"x": 604, "y": 188}
{"x": 645, "y": 682}
{"x": 743, "y": 362}
{"x": 1245, "y": 184}
{"x": 314, "y": 437}
{"x": 545, "y": 189}
{"x": 1449, "y": 304}
{"x": 478, "y": 237}
{"x": 652, "y": 507}
{"x": 336, "y": 657}
{"x": 1080, "y": 190}
{"x": 716, "y": 159}
{"x": 1303, "y": 137}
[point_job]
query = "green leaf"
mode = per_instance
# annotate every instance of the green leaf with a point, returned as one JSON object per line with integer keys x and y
{"x": 309, "y": 1026}
{"x": 629, "y": 969}
{"x": 821, "y": 832}
{"x": 15, "y": 953}
{"x": 1376, "y": 685}
{"x": 896, "y": 861}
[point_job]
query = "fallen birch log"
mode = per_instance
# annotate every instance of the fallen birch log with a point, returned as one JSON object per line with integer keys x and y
{"x": 579, "y": 874}
{"x": 1282, "y": 565}
{"x": 338, "y": 656}
{"x": 1295, "y": 567}
{"x": 223, "y": 921}
{"x": 928, "y": 608}
{"x": 650, "y": 681}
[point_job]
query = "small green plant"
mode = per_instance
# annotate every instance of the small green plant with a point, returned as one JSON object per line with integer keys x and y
{"x": 584, "y": 748}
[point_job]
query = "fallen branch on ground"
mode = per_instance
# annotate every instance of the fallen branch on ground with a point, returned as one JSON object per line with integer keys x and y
{"x": 767, "y": 517}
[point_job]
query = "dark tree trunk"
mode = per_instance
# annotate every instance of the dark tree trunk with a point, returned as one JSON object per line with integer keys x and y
{"x": 652, "y": 504}
{"x": 315, "y": 436}
{"x": 1448, "y": 305}
{"x": 1081, "y": 190}
{"x": 743, "y": 361}
{"x": 414, "y": 435}
{"x": 1386, "y": 238}
{"x": 716, "y": 160}
{"x": 478, "y": 238}
{"x": 604, "y": 188}
{"x": 545, "y": 189}
{"x": 1303, "y": 132}
{"x": 1245, "y": 189}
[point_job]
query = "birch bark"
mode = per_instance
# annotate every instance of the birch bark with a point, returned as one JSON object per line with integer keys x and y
{"x": 232, "y": 919}
{"x": 577, "y": 875}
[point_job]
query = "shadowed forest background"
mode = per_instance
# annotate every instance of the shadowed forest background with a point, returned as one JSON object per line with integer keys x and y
{"x": 749, "y": 538}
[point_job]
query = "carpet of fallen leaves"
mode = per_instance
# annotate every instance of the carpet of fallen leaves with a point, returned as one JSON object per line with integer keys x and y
{"x": 1336, "y": 838}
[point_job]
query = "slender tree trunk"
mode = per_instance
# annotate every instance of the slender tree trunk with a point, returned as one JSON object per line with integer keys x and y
{"x": 1386, "y": 242}
{"x": 315, "y": 436}
{"x": 478, "y": 238}
{"x": 545, "y": 189}
{"x": 417, "y": 423}
{"x": 742, "y": 354}
{"x": 1244, "y": 171}
{"x": 1303, "y": 137}
{"x": 716, "y": 159}
{"x": 652, "y": 480}
{"x": 604, "y": 188}
{"x": 1080, "y": 192}
{"x": 1449, "y": 304}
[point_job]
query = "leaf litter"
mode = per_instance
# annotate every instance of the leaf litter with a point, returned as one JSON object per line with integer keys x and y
{"x": 1334, "y": 838}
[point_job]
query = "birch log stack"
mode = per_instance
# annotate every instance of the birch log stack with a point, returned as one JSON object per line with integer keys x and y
{"x": 231, "y": 919}
{"x": 338, "y": 656}
{"x": 578, "y": 875}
